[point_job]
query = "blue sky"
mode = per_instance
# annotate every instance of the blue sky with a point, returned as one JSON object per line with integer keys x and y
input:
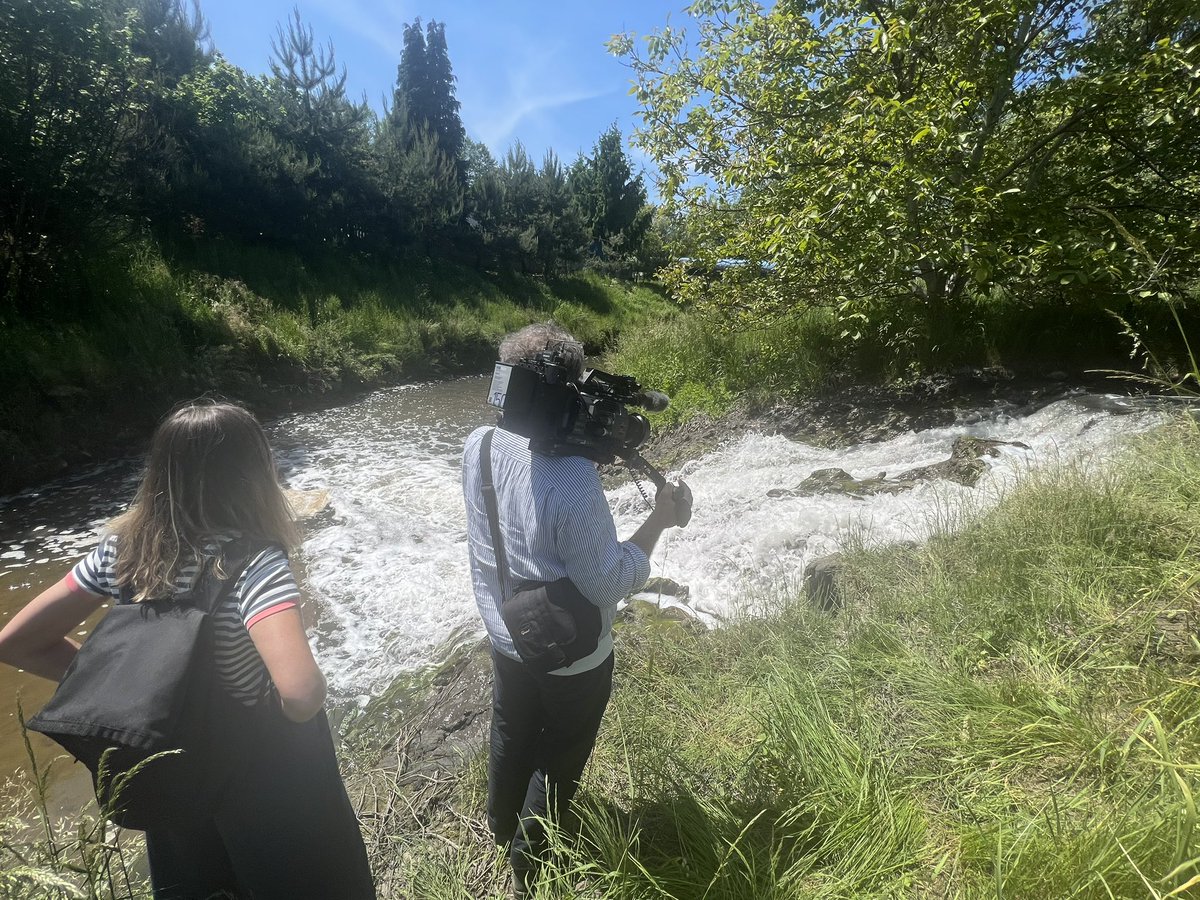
{"x": 528, "y": 69}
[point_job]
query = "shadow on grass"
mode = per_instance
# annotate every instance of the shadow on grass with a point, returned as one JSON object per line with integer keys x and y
{"x": 679, "y": 845}
{"x": 585, "y": 292}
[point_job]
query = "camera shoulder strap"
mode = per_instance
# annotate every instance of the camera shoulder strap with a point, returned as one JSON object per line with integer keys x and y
{"x": 493, "y": 511}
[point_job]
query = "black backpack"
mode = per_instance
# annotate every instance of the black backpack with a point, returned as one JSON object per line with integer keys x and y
{"x": 141, "y": 707}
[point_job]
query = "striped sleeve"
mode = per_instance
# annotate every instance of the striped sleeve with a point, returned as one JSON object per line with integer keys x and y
{"x": 96, "y": 573}
{"x": 266, "y": 587}
{"x": 604, "y": 569}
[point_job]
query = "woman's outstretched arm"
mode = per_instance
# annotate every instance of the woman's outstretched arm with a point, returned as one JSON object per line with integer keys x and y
{"x": 36, "y": 638}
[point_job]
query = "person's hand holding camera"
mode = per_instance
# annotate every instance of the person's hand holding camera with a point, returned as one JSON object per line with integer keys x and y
{"x": 673, "y": 505}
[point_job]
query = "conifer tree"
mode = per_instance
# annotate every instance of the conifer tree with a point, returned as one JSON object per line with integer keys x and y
{"x": 443, "y": 119}
{"x": 422, "y": 182}
{"x": 408, "y": 98}
{"x": 611, "y": 199}
{"x": 419, "y": 184}
{"x": 318, "y": 118}
{"x": 425, "y": 83}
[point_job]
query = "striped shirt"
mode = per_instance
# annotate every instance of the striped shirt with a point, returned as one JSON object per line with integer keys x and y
{"x": 555, "y": 523}
{"x": 265, "y": 587}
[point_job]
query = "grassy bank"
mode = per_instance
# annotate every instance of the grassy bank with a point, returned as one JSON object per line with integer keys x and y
{"x": 144, "y": 330}
{"x": 1010, "y": 711}
{"x": 706, "y": 363}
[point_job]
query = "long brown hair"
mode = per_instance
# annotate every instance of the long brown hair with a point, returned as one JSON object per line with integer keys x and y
{"x": 209, "y": 471}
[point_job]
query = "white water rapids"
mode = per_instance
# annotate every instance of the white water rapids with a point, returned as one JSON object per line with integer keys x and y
{"x": 389, "y": 567}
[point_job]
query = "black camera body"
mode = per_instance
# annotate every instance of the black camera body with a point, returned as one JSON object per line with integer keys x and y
{"x": 566, "y": 416}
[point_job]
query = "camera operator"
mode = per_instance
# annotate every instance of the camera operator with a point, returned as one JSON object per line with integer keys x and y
{"x": 554, "y": 523}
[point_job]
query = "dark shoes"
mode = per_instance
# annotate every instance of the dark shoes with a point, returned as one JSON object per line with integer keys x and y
{"x": 520, "y": 886}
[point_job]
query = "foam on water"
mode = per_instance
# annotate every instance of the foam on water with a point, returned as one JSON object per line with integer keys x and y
{"x": 389, "y": 571}
{"x": 741, "y": 543}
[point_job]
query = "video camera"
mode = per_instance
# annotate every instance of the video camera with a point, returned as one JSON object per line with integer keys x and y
{"x": 540, "y": 398}
{"x": 562, "y": 415}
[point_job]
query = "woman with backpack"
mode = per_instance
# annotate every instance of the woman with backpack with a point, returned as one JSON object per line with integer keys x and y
{"x": 210, "y": 520}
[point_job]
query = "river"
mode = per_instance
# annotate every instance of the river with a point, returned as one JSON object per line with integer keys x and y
{"x": 385, "y": 567}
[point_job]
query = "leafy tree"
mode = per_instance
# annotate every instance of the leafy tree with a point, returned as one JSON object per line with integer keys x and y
{"x": 236, "y": 175}
{"x": 173, "y": 36}
{"x": 171, "y": 40}
{"x": 661, "y": 244}
{"x": 69, "y": 88}
{"x": 873, "y": 151}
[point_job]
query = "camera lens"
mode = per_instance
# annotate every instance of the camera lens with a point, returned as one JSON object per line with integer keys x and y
{"x": 637, "y": 429}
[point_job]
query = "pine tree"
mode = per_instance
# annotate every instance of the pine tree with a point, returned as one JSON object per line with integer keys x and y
{"x": 561, "y": 232}
{"x": 408, "y": 99}
{"x": 318, "y": 118}
{"x": 419, "y": 185}
{"x": 422, "y": 182}
{"x": 312, "y": 86}
{"x": 173, "y": 36}
{"x": 443, "y": 119}
{"x": 425, "y": 84}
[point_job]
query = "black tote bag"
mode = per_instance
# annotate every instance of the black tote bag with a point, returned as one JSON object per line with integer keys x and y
{"x": 139, "y": 704}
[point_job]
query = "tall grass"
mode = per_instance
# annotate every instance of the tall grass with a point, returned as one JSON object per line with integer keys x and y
{"x": 705, "y": 366}
{"x": 1012, "y": 710}
{"x": 707, "y": 361}
{"x": 81, "y": 858}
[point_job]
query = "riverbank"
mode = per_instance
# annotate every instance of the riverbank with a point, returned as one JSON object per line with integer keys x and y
{"x": 278, "y": 332}
{"x": 1007, "y": 710}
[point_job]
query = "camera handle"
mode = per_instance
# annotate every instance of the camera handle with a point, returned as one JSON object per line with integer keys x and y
{"x": 683, "y": 496}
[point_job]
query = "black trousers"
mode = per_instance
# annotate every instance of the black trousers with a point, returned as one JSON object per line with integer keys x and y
{"x": 543, "y": 731}
{"x": 282, "y": 829}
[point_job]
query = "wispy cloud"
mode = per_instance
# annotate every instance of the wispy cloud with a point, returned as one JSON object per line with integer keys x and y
{"x": 520, "y": 77}
{"x": 497, "y": 127}
{"x": 537, "y": 79}
{"x": 380, "y": 23}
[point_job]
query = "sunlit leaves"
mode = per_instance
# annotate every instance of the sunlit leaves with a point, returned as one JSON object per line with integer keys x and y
{"x": 881, "y": 150}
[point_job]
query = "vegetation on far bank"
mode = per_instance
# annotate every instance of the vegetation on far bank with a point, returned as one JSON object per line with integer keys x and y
{"x": 274, "y": 328}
